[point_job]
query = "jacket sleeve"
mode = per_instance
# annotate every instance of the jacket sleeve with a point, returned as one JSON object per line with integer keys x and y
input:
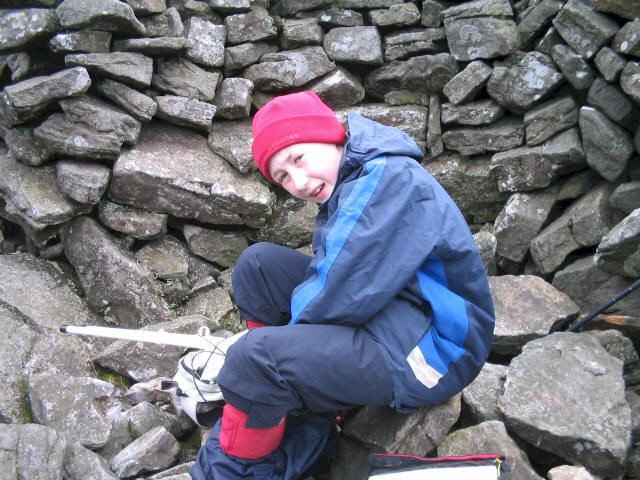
{"x": 386, "y": 224}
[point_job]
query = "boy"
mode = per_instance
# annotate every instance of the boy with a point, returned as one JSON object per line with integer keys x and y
{"x": 394, "y": 307}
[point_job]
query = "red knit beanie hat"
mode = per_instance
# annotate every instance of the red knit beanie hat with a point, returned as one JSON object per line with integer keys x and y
{"x": 294, "y": 118}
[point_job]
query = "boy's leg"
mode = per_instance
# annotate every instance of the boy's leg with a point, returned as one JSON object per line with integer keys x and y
{"x": 264, "y": 278}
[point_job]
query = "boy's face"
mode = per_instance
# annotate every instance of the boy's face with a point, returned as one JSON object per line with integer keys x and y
{"x": 307, "y": 170}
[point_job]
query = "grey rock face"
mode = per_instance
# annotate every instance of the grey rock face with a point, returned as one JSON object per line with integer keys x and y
{"x": 132, "y": 221}
{"x": 83, "y": 182}
{"x": 155, "y": 450}
{"x": 233, "y": 100}
{"x": 232, "y": 141}
{"x": 21, "y": 27}
{"x": 587, "y": 421}
{"x": 584, "y": 29}
{"x": 165, "y": 24}
{"x": 289, "y": 69}
{"x": 621, "y": 8}
{"x": 628, "y": 80}
{"x": 354, "y": 45}
{"x": 504, "y": 134}
{"x": 609, "y": 64}
{"x": 584, "y": 223}
{"x": 27, "y": 99}
{"x": 481, "y": 37}
{"x": 626, "y": 197}
{"x": 137, "y": 104}
{"x": 69, "y": 404}
{"x": 473, "y": 113}
{"x": 549, "y": 118}
{"x": 84, "y": 41}
{"x": 519, "y": 85}
{"x": 481, "y": 395}
{"x": 131, "y": 68}
{"x": 222, "y": 248}
{"x": 202, "y": 186}
{"x": 205, "y": 42}
{"x": 527, "y": 307}
{"x": 402, "y": 45}
{"x": 33, "y": 195}
{"x": 520, "y": 221}
{"x": 300, "y": 32}
{"x": 32, "y": 451}
{"x": 77, "y": 139}
{"x": 152, "y": 46}
{"x": 534, "y": 20}
{"x": 626, "y": 41}
{"x": 489, "y": 436}
{"x": 81, "y": 463}
{"x": 530, "y": 168}
{"x": 25, "y": 147}
{"x": 415, "y": 434}
{"x": 465, "y": 85}
{"x": 108, "y": 15}
{"x": 607, "y": 146}
{"x": 574, "y": 68}
{"x": 113, "y": 281}
{"x": 292, "y": 223}
{"x": 397, "y": 15}
{"x": 102, "y": 116}
{"x": 237, "y": 57}
{"x": 253, "y": 26}
{"x": 339, "y": 88}
{"x": 424, "y": 73}
{"x": 610, "y": 100}
{"x": 181, "y": 77}
{"x": 618, "y": 252}
{"x": 185, "y": 111}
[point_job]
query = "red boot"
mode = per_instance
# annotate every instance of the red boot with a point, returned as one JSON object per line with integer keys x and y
{"x": 239, "y": 441}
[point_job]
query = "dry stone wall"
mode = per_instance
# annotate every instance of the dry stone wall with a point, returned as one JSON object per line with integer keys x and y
{"x": 126, "y": 168}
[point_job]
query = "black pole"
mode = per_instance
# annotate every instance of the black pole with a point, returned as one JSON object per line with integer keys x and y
{"x": 604, "y": 306}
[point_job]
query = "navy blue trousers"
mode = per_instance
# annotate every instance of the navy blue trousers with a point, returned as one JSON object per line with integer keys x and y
{"x": 298, "y": 368}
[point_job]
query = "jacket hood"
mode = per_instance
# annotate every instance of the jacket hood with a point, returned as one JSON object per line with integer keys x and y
{"x": 369, "y": 139}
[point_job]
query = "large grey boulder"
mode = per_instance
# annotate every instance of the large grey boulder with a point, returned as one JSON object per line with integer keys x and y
{"x": 233, "y": 99}
{"x": 77, "y": 139}
{"x": 338, "y": 88}
{"x": 299, "y": 32}
{"x": 481, "y": 29}
{"x": 490, "y": 436}
{"x": 72, "y": 405}
{"x": 291, "y": 225}
{"x": 621, "y": 8}
{"x": 185, "y": 111}
{"x": 289, "y": 69}
{"x": 81, "y": 181}
{"x": 610, "y": 100}
{"x": 114, "y": 283}
{"x": 417, "y": 433}
{"x": 553, "y": 116}
{"x": 531, "y": 168}
{"x": 27, "y": 99}
{"x": 479, "y": 112}
{"x": 472, "y": 184}
{"x": 131, "y": 68}
{"x": 574, "y": 68}
{"x": 609, "y": 63}
{"x": 254, "y": 26}
{"x": 84, "y": 41}
{"x": 607, "y": 146}
{"x": 410, "y": 43}
{"x": 168, "y": 23}
{"x": 136, "y": 222}
{"x": 626, "y": 196}
{"x": 527, "y": 307}
{"x": 520, "y": 221}
{"x": 137, "y": 104}
{"x": 107, "y": 15}
{"x": 102, "y": 116}
{"x": 80, "y": 463}
{"x": 481, "y": 396}
{"x": 220, "y": 247}
{"x": 464, "y": 86}
{"x": 354, "y": 45}
{"x": 505, "y": 134}
{"x": 237, "y": 57}
{"x": 32, "y": 451}
{"x": 536, "y": 19}
{"x": 165, "y": 46}
{"x": 522, "y": 80}
{"x": 628, "y": 80}
{"x": 397, "y": 15}
{"x": 587, "y": 420}
{"x": 155, "y": 450}
{"x": 179, "y": 76}
{"x": 583, "y": 224}
{"x": 19, "y": 28}
{"x": 205, "y": 42}
{"x": 32, "y": 194}
{"x": 26, "y": 148}
{"x": 618, "y": 251}
{"x": 232, "y": 141}
{"x": 202, "y": 186}
{"x": 424, "y": 73}
{"x": 584, "y": 29}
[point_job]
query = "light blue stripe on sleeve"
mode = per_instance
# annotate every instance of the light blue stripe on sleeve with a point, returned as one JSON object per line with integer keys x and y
{"x": 348, "y": 216}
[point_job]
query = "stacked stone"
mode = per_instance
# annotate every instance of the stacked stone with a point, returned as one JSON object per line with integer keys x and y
{"x": 126, "y": 155}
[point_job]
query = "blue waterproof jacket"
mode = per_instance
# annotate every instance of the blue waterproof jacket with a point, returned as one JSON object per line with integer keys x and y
{"x": 394, "y": 255}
